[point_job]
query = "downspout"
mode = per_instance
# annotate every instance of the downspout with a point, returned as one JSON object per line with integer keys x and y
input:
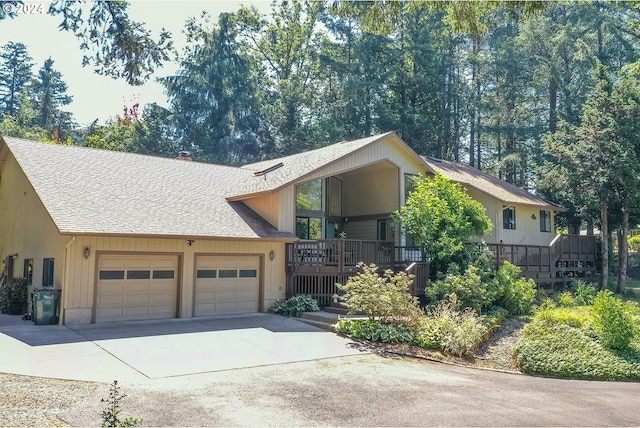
{"x": 63, "y": 287}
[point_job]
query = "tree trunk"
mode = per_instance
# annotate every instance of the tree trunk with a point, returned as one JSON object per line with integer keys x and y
{"x": 604, "y": 231}
{"x": 553, "y": 104}
{"x": 623, "y": 252}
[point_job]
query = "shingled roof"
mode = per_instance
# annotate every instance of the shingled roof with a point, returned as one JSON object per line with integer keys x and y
{"x": 282, "y": 171}
{"x": 91, "y": 191}
{"x": 505, "y": 192}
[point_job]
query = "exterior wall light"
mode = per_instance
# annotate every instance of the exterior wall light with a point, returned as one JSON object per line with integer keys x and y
{"x": 272, "y": 255}
{"x": 87, "y": 252}
{"x": 533, "y": 217}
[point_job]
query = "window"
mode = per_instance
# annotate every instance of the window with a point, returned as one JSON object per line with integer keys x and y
{"x": 545, "y": 221}
{"x": 228, "y": 273}
{"x": 206, "y": 273}
{"x": 163, "y": 274}
{"x": 309, "y": 227}
{"x": 111, "y": 274}
{"x": 334, "y": 197}
{"x": 409, "y": 185}
{"x": 28, "y": 271}
{"x": 382, "y": 230}
{"x": 8, "y": 266}
{"x": 309, "y": 196}
{"x": 47, "y": 272}
{"x": 509, "y": 217}
{"x": 248, "y": 273}
{"x": 138, "y": 274}
{"x": 309, "y": 214}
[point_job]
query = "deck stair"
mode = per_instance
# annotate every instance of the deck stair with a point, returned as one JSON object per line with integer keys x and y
{"x": 329, "y": 316}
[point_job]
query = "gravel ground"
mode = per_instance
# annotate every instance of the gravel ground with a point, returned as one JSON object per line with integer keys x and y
{"x": 32, "y": 401}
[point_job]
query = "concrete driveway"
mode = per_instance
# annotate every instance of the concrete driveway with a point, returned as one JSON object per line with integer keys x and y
{"x": 159, "y": 349}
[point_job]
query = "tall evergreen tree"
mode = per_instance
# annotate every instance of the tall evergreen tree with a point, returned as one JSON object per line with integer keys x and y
{"x": 215, "y": 96}
{"x": 50, "y": 93}
{"x": 598, "y": 160}
{"x": 15, "y": 75}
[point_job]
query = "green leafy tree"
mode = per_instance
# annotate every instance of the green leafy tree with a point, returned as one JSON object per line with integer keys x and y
{"x": 15, "y": 75}
{"x": 117, "y": 134}
{"x": 441, "y": 217}
{"x": 113, "y": 44}
{"x": 285, "y": 47}
{"x": 21, "y": 124}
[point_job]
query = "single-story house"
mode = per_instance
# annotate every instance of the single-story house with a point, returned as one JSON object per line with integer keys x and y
{"x": 127, "y": 236}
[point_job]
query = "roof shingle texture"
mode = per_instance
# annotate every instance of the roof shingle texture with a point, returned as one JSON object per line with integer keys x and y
{"x": 299, "y": 165}
{"x": 106, "y": 192}
{"x": 505, "y": 192}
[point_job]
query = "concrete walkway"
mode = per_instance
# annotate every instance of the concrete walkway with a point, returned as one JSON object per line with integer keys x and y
{"x": 159, "y": 349}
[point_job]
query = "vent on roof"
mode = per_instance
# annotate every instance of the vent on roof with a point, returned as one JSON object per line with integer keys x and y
{"x": 436, "y": 160}
{"x": 268, "y": 170}
{"x": 184, "y": 155}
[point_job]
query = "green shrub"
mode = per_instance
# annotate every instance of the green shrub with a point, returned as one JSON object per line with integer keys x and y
{"x": 546, "y": 303}
{"x": 612, "y": 321}
{"x": 563, "y": 350}
{"x": 470, "y": 288}
{"x": 13, "y": 296}
{"x": 450, "y": 330}
{"x": 513, "y": 292}
{"x": 566, "y": 300}
{"x": 295, "y": 305}
{"x": 577, "y": 317}
{"x": 634, "y": 243}
{"x": 583, "y": 292}
{"x": 374, "y": 330}
{"x": 386, "y": 296}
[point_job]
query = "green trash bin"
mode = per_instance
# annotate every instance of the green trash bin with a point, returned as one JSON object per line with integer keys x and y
{"x": 45, "y": 306}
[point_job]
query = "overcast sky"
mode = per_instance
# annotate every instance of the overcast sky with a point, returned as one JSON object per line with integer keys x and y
{"x": 99, "y": 97}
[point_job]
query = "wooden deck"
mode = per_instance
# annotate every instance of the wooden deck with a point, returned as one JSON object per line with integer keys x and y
{"x": 568, "y": 257}
{"x": 314, "y": 267}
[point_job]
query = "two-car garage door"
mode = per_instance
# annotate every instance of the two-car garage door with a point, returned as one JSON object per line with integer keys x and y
{"x": 145, "y": 286}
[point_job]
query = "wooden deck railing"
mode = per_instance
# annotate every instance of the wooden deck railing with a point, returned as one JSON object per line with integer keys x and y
{"x": 567, "y": 256}
{"x": 314, "y": 267}
{"x": 337, "y": 255}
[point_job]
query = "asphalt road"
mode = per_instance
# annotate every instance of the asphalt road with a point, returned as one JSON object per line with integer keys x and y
{"x": 368, "y": 390}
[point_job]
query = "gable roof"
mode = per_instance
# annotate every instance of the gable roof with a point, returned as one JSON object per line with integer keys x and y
{"x": 274, "y": 174}
{"x": 505, "y": 192}
{"x": 91, "y": 191}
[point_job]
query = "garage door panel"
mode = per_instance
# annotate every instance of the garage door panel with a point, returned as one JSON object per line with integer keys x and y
{"x": 226, "y": 285}
{"x": 111, "y": 300}
{"x": 111, "y": 314}
{"x": 163, "y": 287}
{"x": 129, "y": 288}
